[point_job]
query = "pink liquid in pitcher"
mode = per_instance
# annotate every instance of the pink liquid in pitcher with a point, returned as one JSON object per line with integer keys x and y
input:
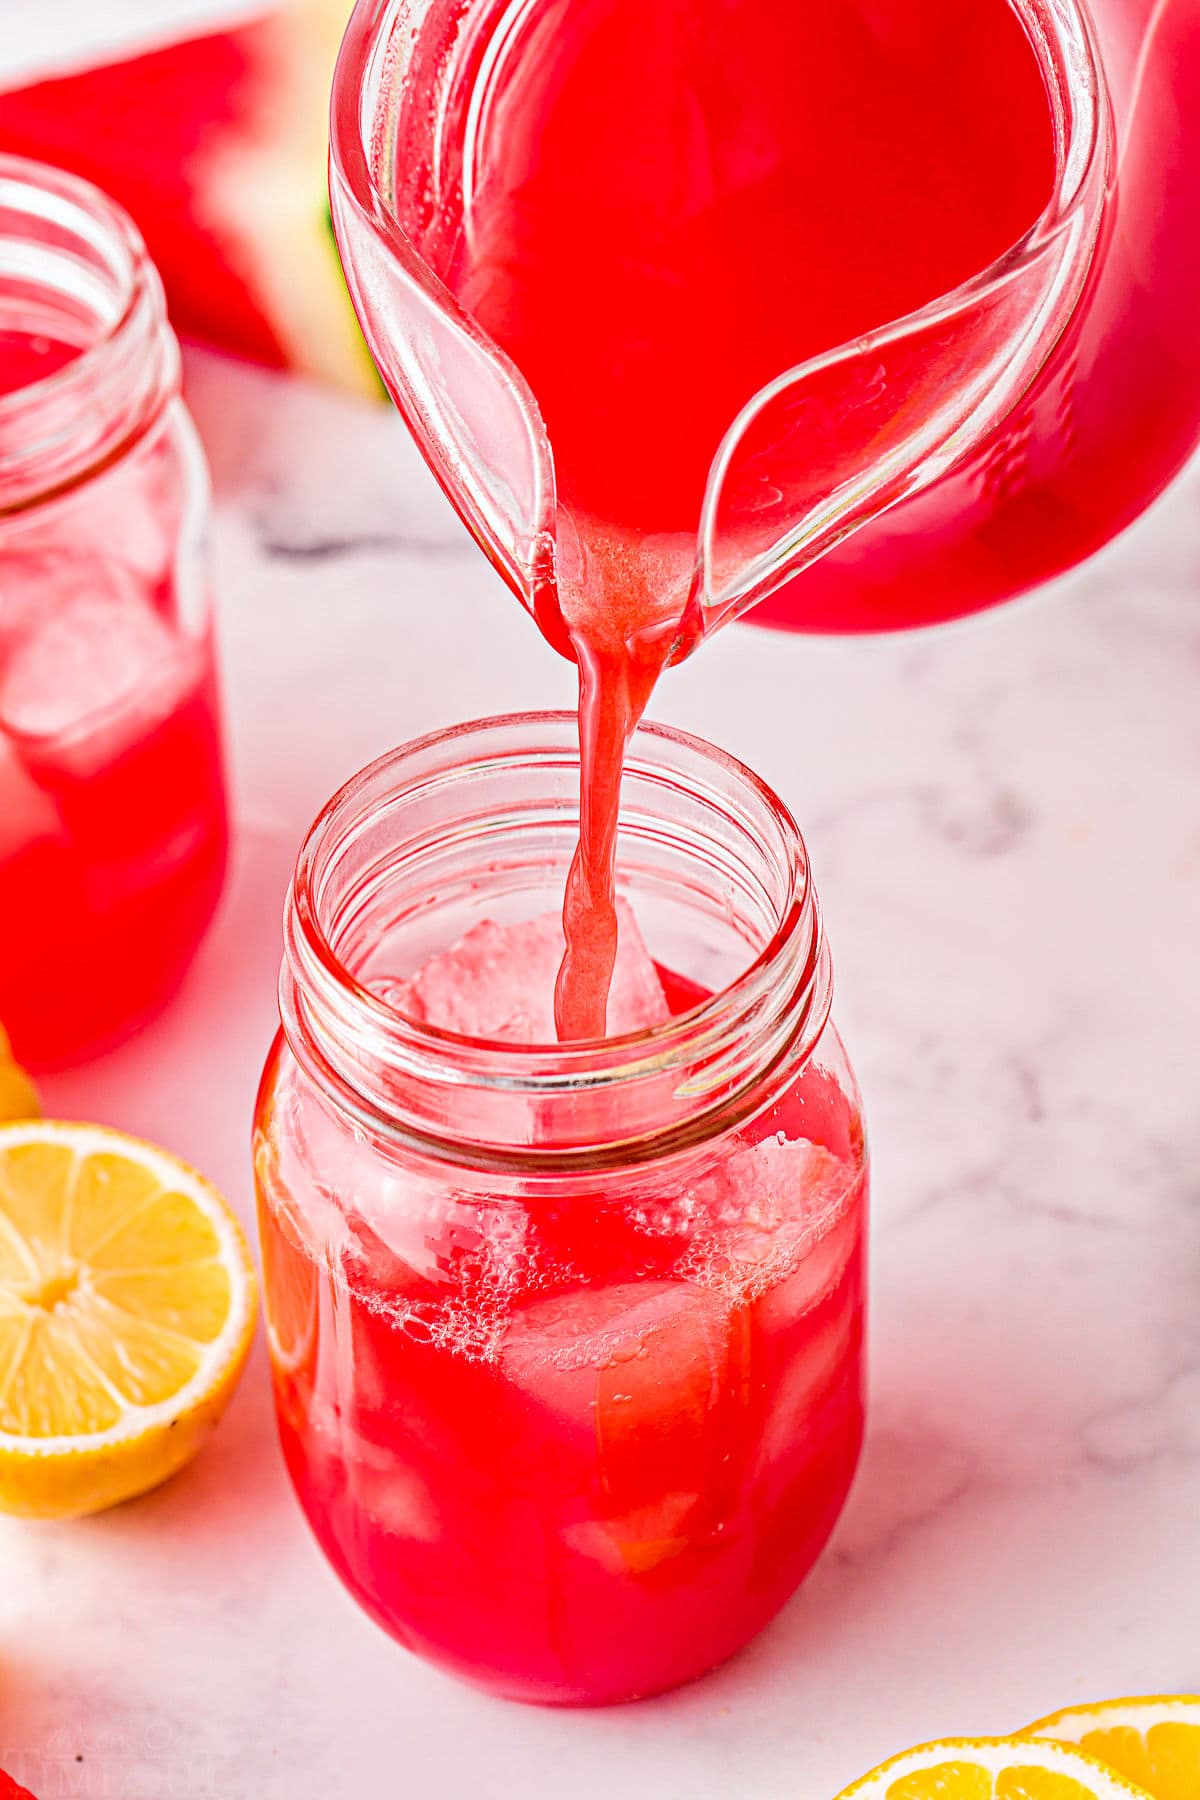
{"x": 1113, "y": 414}
{"x": 676, "y": 203}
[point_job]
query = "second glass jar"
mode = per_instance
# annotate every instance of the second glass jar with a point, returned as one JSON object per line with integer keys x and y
{"x": 566, "y": 1339}
{"x": 113, "y": 823}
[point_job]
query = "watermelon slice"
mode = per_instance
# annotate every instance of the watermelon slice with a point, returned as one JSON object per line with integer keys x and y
{"x": 217, "y": 145}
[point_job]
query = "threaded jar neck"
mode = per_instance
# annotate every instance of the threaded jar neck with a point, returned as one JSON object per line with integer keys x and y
{"x": 480, "y": 822}
{"x": 74, "y": 270}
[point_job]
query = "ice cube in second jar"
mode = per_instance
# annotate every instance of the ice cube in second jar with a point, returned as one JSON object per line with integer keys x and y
{"x": 87, "y": 662}
{"x": 108, "y": 713}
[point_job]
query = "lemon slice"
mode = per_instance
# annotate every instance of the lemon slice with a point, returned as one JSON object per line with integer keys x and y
{"x": 992, "y": 1769}
{"x": 290, "y": 1280}
{"x": 18, "y": 1096}
{"x": 1154, "y": 1741}
{"x": 127, "y": 1303}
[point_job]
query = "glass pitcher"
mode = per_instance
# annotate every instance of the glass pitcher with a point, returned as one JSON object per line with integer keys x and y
{"x": 934, "y": 464}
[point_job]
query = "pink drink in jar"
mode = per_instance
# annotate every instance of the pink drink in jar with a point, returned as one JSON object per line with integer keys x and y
{"x": 112, "y": 799}
{"x": 566, "y": 1338}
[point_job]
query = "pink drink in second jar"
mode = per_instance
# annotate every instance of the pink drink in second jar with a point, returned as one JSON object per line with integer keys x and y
{"x": 578, "y": 1446}
{"x": 112, "y": 808}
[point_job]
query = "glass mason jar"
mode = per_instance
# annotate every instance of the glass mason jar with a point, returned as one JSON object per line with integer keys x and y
{"x": 566, "y": 1338}
{"x": 112, "y": 796}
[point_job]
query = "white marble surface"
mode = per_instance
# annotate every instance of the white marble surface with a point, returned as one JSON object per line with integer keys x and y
{"x": 1005, "y": 824}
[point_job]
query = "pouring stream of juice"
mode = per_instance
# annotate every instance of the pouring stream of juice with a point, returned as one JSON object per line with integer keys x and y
{"x": 685, "y": 292}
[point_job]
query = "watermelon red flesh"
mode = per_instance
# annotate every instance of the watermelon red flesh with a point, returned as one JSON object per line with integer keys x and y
{"x": 139, "y": 129}
{"x": 216, "y": 145}
{"x": 9, "y": 1790}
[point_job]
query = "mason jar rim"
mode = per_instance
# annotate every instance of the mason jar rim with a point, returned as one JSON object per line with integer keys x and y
{"x": 64, "y": 428}
{"x": 348, "y": 1038}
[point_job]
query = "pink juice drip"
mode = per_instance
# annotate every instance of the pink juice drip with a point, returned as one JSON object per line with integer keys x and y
{"x": 671, "y": 207}
{"x": 621, "y": 647}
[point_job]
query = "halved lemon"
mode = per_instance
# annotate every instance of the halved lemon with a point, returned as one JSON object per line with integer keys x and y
{"x": 1154, "y": 1741}
{"x": 992, "y": 1769}
{"x": 127, "y": 1305}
